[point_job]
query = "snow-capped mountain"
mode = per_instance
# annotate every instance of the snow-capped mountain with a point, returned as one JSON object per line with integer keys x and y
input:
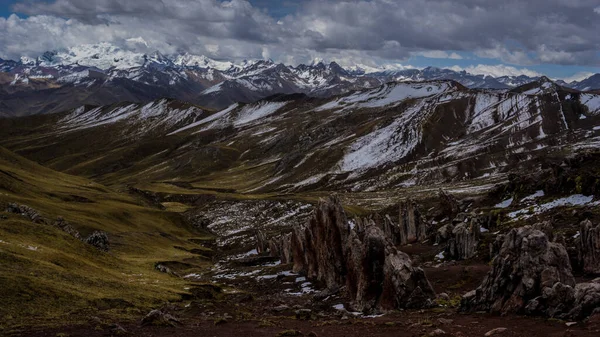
{"x": 106, "y": 74}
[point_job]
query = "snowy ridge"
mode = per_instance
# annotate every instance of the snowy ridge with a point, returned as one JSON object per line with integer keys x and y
{"x": 149, "y": 116}
{"x": 388, "y": 94}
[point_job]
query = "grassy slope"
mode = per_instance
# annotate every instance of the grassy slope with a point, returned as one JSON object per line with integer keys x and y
{"x": 47, "y": 275}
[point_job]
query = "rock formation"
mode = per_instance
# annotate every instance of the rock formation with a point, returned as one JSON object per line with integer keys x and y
{"x": 589, "y": 247}
{"x": 411, "y": 226}
{"x": 461, "y": 237}
{"x": 99, "y": 240}
{"x": 376, "y": 275}
{"x": 281, "y": 247}
{"x": 66, "y": 227}
{"x": 533, "y": 275}
{"x": 262, "y": 245}
{"x": 25, "y": 211}
{"x": 463, "y": 241}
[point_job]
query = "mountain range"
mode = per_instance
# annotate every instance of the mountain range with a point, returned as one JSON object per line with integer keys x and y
{"x": 103, "y": 74}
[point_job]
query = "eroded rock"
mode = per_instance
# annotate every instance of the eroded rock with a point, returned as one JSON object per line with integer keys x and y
{"x": 589, "y": 247}
{"x": 262, "y": 244}
{"x": 377, "y": 276}
{"x": 412, "y": 228}
{"x": 532, "y": 275}
{"x": 463, "y": 241}
{"x": 281, "y": 247}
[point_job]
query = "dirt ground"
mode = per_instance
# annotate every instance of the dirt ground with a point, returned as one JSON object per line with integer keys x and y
{"x": 407, "y": 324}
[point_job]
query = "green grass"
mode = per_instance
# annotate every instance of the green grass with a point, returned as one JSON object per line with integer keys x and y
{"x": 48, "y": 276}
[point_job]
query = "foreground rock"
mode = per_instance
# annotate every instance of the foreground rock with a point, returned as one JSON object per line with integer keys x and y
{"x": 589, "y": 247}
{"x": 532, "y": 275}
{"x": 159, "y": 318}
{"x": 377, "y": 276}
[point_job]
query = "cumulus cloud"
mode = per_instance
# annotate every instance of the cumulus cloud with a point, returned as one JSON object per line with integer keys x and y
{"x": 580, "y": 76}
{"x": 518, "y": 31}
{"x": 440, "y": 54}
{"x": 496, "y": 70}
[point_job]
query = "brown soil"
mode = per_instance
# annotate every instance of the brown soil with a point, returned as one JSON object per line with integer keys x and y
{"x": 399, "y": 324}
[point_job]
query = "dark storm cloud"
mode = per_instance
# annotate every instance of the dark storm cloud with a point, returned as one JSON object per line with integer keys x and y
{"x": 518, "y": 32}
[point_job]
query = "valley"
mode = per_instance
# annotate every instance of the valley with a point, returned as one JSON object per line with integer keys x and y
{"x": 204, "y": 209}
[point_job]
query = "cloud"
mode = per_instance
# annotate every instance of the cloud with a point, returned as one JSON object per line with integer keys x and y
{"x": 440, "y": 54}
{"x": 522, "y": 33}
{"x": 496, "y": 70}
{"x": 580, "y": 76}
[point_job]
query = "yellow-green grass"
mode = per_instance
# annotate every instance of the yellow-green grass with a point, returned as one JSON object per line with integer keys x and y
{"x": 47, "y": 276}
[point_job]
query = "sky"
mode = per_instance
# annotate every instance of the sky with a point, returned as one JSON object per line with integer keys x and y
{"x": 557, "y": 38}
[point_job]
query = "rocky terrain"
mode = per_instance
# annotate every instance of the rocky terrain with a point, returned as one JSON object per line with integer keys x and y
{"x": 405, "y": 208}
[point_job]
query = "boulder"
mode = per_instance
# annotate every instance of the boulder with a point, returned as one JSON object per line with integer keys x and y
{"x": 529, "y": 275}
{"x": 589, "y": 247}
{"x": 159, "y": 318}
{"x": 375, "y": 274}
{"x": 99, "y": 240}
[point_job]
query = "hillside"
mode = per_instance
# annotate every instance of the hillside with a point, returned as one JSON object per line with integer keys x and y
{"x": 48, "y": 277}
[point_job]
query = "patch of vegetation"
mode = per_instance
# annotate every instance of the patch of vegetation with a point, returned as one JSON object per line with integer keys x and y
{"x": 49, "y": 277}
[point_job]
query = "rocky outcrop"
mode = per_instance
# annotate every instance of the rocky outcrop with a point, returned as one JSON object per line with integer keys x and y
{"x": 463, "y": 241}
{"x": 25, "y": 211}
{"x": 532, "y": 275}
{"x": 377, "y": 276}
{"x": 66, "y": 227}
{"x": 262, "y": 245}
{"x": 99, "y": 240}
{"x": 589, "y": 247}
{"x": 411, "y": 227}
{"x": 282, "y": 247}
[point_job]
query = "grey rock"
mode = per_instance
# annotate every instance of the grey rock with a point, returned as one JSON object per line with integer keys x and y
{"x": 495, "y": 332}
{"x": 527, "y": 267}
{"x": 25, "y": 211}
{"x": 437, "y": 332}
{"x": 64, "y": 225}
{"x": 99, "y": 240}
{"x": 164, "y": 269}
{"x": 463, "y": 242}
{"x": 589, "y": 247}
{"x": 159, "y": 318}
{"x": 363, "y": 259}
{"x": 411, "y": 226}
{"x": 262, "y": 244}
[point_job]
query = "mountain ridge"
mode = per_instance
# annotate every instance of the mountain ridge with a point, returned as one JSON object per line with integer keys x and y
{"x": 82, "y": 74}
